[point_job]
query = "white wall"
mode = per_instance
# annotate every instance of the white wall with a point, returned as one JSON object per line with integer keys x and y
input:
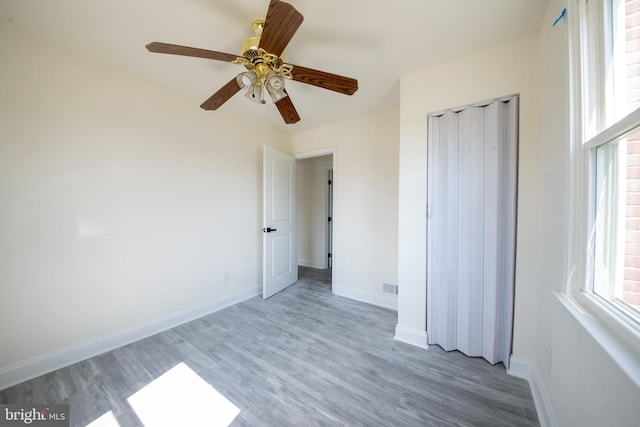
{"x": 365, "y": 203}
{"x": 504, "y": 70}
{"x": 312, "y": 177}
{"x": 121, "y": 204}
{"x": 588, "y": 383}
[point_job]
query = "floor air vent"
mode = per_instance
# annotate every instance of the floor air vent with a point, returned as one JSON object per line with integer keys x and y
{"x": 389, "y": 288}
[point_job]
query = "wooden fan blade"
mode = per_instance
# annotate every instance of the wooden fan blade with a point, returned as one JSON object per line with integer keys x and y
{"x": 287, "y": 110}
{"x": 325, "y": 80}
{"x": 280, "y": 25}
{"x": 221, "y": 96}
{"x": 174, "y": 49}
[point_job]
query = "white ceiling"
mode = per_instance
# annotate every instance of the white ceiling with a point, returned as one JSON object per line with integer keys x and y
{"x": 373, "y": 41}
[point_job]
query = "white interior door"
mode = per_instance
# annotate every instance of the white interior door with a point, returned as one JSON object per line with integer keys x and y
{"x": 279, "y": 265}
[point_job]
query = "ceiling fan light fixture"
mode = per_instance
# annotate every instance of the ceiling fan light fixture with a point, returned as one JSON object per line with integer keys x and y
{"x": 250, "y": 81}
{"x": 254, "y": 93}
{"x": 247, "y": 78}
{"x": 275, "y": 86}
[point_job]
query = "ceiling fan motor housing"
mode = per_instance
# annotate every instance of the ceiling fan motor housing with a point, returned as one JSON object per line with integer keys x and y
{"x": 253, "y": 42}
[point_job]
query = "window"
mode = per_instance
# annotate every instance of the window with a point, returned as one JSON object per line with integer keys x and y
{"x": 616, "y": 277}
{"x": 606, "y": 43}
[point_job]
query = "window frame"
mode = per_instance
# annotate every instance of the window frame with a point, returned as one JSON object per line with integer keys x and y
{"x": 588, "y": 93}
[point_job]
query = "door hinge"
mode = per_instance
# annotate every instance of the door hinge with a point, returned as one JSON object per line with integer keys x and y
{"x": 329, "y": 255}
{"x": 330, "y": 182}
{"x": 329, "y": 219}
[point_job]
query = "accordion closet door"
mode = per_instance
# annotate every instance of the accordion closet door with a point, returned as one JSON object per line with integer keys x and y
{"x": 472, "y": 189}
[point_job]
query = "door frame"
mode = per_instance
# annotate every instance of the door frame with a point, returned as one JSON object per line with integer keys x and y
{"x": 328, "y": 224}
{"x": 319, "y": 153}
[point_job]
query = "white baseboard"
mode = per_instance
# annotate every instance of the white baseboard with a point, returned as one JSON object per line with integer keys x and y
{"x": 26, "y": 370}
{"x": 411, "y": 336}
{"x": 313, "y": 264}
{"x": 520, "y": 367}
{"x": 386, "y": 301}
{"x": 525, "y": 368}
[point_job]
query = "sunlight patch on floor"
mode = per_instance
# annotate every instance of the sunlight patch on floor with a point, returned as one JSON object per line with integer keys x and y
{"x": 180, "y": 397}
{"x": 106, "y": 420}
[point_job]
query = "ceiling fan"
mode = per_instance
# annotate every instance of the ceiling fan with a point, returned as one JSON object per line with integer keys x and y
{"x": 262, "y": 56}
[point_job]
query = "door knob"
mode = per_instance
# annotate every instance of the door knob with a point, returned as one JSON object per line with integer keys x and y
{"x": 269, "y": 229}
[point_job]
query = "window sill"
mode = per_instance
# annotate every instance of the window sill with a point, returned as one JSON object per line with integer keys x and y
{"x": 619, "y": 341}
{"x": 617, "y": 323}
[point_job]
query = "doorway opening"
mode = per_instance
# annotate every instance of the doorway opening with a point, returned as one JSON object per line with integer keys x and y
{"x": 314, "y": 183}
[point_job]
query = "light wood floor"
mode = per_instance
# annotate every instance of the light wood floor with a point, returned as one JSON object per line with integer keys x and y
{"x": 303, "y": 357}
